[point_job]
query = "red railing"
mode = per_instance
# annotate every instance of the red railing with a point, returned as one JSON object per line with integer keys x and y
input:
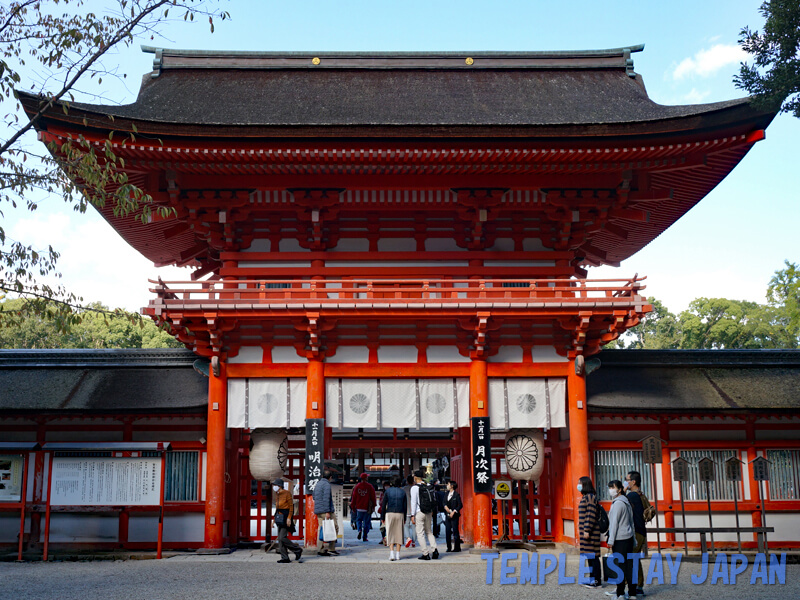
{"x": 335, "y": 291}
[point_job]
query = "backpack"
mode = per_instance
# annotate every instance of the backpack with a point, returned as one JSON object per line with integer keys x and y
{"x": 649, "y": 509}
{"x": 602, "y": 518}
{"x": 427, "y": 499}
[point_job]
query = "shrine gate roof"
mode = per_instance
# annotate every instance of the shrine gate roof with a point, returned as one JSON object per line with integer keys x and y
{"x": 558, "y": 93}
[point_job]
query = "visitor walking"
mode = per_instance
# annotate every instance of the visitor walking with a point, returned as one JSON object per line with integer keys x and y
{"x": 588, "y": 513}
{"x": 393, "y": 510}
{"x": 452, "y": 511}
{"x": 620, "y": 536}
{"x": 423, "y": 506}
{"x": 323, "y": 508}
{"x": 362, "y": 500}
{"x": 411, "y": 532}
{"x": 284, "y": 520}
{"x": 634, "y": 494}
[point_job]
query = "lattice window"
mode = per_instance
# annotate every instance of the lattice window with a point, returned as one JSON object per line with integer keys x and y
{"x": 784, "y": 474}
{"x": 615, "y": 464}
{"x": 180, "y": 480}
{"x": 720, "y": 488}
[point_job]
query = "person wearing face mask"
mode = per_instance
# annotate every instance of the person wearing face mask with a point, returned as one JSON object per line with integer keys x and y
{"x": 284, "y": 513}
{"x": 621, "y": 536}
{"x": 633, "y": 493}
{"x": 588, "y": 511}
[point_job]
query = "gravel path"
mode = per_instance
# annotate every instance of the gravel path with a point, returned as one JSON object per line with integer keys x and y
{"x": 321, "y": 578}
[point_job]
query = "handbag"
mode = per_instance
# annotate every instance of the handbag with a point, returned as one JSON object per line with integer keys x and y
{"x": 328, "y": 531}
{"x": 280, "y": 519}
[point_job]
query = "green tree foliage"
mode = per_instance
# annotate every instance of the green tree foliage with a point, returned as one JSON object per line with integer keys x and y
{"x": 774, "y": 77}
{"x": 720, "y": 323}
{"x": 97, "y": 328}
{"x": 56, "y": 48}
{"x": 783, "y": 293}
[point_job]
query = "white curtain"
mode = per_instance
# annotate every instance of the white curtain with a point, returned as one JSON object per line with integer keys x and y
{"x": 266, "y": 402}
{"x": 517, "y": 403}
{"x": 398, "y": 403}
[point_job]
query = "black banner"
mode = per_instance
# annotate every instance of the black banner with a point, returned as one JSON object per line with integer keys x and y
{"x": 315, "y": 452}
{"x": 482, "y": 459}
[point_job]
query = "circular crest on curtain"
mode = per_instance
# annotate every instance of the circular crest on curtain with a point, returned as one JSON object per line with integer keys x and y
{"x": 268, "y": 455}
{"x": 525, "y": 454}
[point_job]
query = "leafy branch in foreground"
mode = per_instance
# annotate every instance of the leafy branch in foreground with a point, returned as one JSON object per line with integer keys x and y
{"x": 56, "y": 48}
{"x": 773, "y": 79}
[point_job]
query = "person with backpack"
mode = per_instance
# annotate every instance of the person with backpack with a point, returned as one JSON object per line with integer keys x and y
{"x": 590, "y": 529}
{"x": 640, "y": 504}
{"x": 621, "y": 537}
{"x": 423, "y": 508}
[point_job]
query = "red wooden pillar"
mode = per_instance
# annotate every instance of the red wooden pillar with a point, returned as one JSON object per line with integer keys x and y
{"x": 665, "y": 485}
{"x": 479, "y": 407}
{"x": 215, "y": 456}
{"x": 557, "y": 483}
{"x": 578, "y": 437}
{"x": 315, "y": 409}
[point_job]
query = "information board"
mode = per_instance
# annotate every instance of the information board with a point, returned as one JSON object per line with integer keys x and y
{"x": 315, "y": 452}
{"x": 11, "y": 466}
{"x": 105, "y": 481}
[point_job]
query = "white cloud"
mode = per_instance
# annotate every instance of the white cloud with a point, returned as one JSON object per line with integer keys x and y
{"x": 707, "y": 62}
{"x": 695, "y": 96}
{"x": 96, "y": 263}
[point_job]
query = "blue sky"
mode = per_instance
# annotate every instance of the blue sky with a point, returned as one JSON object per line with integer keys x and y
{"x": 728, "y": 246}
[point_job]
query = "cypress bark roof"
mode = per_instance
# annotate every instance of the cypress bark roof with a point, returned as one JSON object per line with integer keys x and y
{"x": 628, "y": 380}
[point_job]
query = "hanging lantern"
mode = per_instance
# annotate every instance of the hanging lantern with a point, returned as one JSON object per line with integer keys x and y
{"x": 269, "y": 453}
{"x": 525, "y": 454}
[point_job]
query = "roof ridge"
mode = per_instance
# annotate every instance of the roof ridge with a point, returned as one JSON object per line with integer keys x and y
{"x": 177, "y": 58}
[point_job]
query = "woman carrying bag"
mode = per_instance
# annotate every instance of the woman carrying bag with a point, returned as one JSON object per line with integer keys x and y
{"x": 588, "y": 512}
{"x": 621, "y": 537}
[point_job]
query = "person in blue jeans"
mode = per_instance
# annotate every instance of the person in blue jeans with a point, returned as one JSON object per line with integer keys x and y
{"x": 363, "y": 502}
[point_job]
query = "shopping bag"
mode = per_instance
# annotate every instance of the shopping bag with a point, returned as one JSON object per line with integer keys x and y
{"x": 328, "y": 531}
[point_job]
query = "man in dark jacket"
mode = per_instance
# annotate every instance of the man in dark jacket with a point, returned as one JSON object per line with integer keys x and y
{"x": 452, "y": 510}
{"x": 632, "y": 483}
{"x": 323, "y": 508}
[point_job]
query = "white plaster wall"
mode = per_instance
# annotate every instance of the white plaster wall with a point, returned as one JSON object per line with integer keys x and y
{"x": 507, "y": 354}
{"x": 720, "y": 519}
{"x": 533, "y": 245}
{"x": 569, "y": 527}
{"x": 397, "y": 245}
{"x": 291, "y": 245}
{"x": 248, "y": 354}
{"x": 72, "y": 527}
{"x": 445, "y": 354}
{"x": 350, "y": 354}
{"x": 546, "y": 354}
{"x": 9, "y": 527}
{"x": 502, "y": 245}
{"x": 260, "y": 245}
{"x": 787, "y": 526}
{"x": 177, "y": 528}
{"x": 397, "y": 354}
{"x": 274, "y": 264}
{"x": 286, "y": 354}
{"x": 351, "y": 245}
{"x": 443, "y": 245}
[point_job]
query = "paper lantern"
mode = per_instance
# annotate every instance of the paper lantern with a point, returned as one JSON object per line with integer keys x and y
{"x": 268, "y": 455}
{"x": 525, "y": 454}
